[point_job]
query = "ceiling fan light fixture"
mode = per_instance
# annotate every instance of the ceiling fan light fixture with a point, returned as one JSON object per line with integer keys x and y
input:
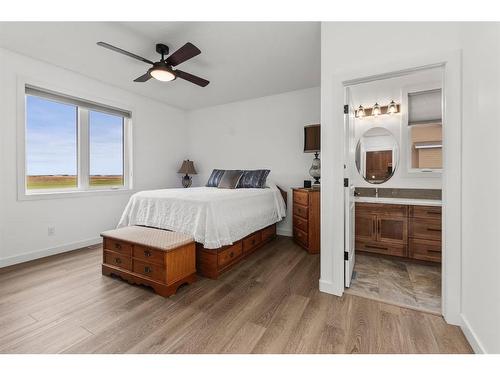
{"x": 162, "y": 74}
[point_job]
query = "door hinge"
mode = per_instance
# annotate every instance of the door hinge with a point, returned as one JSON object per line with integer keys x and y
{"x": 346, "y": 182}
{"x": 346, "y": 255}
{"x": 346, "y": 109}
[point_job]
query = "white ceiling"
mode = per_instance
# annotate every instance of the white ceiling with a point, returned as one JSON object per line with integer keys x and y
{"x": 241, "y": 60}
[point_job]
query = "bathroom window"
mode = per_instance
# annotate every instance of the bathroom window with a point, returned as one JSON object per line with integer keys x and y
{"x": 425, "y": 131}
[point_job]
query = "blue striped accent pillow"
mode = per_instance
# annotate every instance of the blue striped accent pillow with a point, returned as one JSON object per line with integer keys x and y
{"x": 254, "y": 179}
{"x": 215, "y": 177}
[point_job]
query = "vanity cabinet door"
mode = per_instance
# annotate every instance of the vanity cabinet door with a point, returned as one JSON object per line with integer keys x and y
{"x": 365, "y": 227}
{"x": 392, "y": 229}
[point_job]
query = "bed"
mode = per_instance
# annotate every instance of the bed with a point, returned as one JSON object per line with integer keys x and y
{"x": 214, "y": 217}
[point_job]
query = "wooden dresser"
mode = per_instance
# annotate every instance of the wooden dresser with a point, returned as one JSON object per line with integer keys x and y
{"x": 399, "y": 230}
{"x": 306, "y": 218}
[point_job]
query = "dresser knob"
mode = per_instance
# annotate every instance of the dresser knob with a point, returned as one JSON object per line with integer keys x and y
{"x": 118, "y": 260}
{"x": 231, "y": 254}
{"x": 118, "y": 246}
{"x": 147, "y": 269}
{"x": 147, "y": 253}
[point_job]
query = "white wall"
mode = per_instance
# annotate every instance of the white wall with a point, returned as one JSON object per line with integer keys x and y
{"x": 366, "y": 94}
{"x": 481, "y": 183}
{"x": 480, "y": 291}
{"x": 253, "y": 134}
{"x": 159, "y": 137}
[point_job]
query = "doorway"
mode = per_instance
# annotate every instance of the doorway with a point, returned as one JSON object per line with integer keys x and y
{"x": 397, "y": 207}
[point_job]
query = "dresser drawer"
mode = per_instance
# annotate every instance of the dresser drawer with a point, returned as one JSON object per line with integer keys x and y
{"x": 301, "y": 197}
{"x": 149, "y": 255}
{"x": 394, "y": 210}
{"x": 382, "y": 248}
{"x": 150, "y": 270}
{"x": 118, "y": 246}
{"x": 426, "y": 229}
{"x": 118, "y": 260}
{"x": 268, "y": 232}
{"x": 426, "y": 212}
{"x": 300, "y": 223}
{"x": 226, "y": 256}
{"x": 252, "y": 241}
{"x": 301, "y": 237}
{"x": 301, "y": 211}
{"x": 425, "y": 250}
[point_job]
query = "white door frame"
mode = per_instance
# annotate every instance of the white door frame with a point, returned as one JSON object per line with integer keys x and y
{"x": 332, "y": 149}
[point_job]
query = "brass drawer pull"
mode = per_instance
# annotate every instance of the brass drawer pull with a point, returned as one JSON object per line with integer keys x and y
{"x": 231, "y": 254}
{"x": 118, "y": 246}
{"x": 147, "y": 269}
{"x": 118, "y": 260}
{"x": 147, "y": 253}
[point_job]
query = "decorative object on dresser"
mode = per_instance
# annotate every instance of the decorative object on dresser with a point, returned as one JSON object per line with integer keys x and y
{"x": 160, "y": 259}
{"x": 409, "y": 231}
{"x": 312, "y": 143}
{"x": 187, "y": 167}
{"x": 307, "y": 184}
{"x": 306, "y": 218}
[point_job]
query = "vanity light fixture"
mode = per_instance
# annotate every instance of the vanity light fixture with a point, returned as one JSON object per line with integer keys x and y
{"x": 360, "y": 112}
{"x": 377, "y": 110}
{"x": 392, "y": 108}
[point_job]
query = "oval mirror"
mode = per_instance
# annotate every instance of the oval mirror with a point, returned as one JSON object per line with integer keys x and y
{"x": 377, "y": 155}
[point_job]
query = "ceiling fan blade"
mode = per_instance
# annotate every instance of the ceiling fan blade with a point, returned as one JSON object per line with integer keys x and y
{"x": 191, "y": 78}
{"x": 186, "y": 52}
{"x": 123, "y": 52}
{"x": 143, "y": 78}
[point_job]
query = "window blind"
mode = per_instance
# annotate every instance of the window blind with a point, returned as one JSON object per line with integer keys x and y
{"x": 62, "y": 98}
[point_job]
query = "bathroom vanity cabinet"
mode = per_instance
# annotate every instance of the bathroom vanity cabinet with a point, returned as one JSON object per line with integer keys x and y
{"x": 399, "y": 230}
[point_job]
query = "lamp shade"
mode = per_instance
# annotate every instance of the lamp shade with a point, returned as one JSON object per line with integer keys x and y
{"x": 312, "y": 138}
{"x": 187, "y": 167}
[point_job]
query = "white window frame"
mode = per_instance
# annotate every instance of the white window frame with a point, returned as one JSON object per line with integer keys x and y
{"x": 406, "y": 133}
{"x": 83, "y": 149}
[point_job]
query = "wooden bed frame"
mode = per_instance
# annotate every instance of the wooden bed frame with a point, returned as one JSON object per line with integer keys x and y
{"x": 212, "y": 263}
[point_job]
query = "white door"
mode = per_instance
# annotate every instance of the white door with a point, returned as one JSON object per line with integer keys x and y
{"x": 349, "y": 233}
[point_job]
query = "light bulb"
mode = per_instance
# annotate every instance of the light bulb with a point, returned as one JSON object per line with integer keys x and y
{"x": 360, "y": 112}
{"x": 376, "y": 110}
{"x": 392, "y": 108}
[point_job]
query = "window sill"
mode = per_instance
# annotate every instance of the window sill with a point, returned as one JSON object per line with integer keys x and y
{"x": 72, "y": 194}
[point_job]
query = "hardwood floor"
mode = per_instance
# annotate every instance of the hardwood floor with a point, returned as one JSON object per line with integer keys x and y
{"x": 270, "y": 303}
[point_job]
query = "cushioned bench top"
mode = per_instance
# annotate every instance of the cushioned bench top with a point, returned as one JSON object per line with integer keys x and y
{"x": 151, "y": 237}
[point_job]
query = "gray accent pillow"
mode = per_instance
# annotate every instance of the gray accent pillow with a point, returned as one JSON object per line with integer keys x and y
{"x": 254, "y": 179}
{"x": 215, "y": 177}
{"x": 230, "y": 179}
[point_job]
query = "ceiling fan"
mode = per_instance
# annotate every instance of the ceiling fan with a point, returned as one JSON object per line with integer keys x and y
{"x": 163, "y": 70}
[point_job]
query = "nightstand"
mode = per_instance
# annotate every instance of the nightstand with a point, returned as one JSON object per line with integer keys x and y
{"x": 306, "y": 219}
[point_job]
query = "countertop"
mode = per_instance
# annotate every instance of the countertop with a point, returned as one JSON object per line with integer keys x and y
{"x": 408, "y": 201}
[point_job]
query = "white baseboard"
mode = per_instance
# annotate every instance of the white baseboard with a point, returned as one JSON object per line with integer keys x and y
{"x": 329, "y": 287}
{"x": 284, "y": 232}
{"x": 471, "y": 336}
{"x": 25, "y": 257}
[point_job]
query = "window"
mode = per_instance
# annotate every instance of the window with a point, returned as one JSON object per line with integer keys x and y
{"x": 72, "y": 145}
{"x": 425, "y": 131}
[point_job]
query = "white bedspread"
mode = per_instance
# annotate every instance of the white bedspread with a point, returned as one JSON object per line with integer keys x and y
{"x": 214, "y": 217}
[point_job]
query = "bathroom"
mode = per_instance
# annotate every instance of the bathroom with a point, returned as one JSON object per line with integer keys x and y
{"x": 394, "y": 139}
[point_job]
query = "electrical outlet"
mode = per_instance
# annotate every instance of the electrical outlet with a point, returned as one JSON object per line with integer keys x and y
{"x": 51, "y": 231}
